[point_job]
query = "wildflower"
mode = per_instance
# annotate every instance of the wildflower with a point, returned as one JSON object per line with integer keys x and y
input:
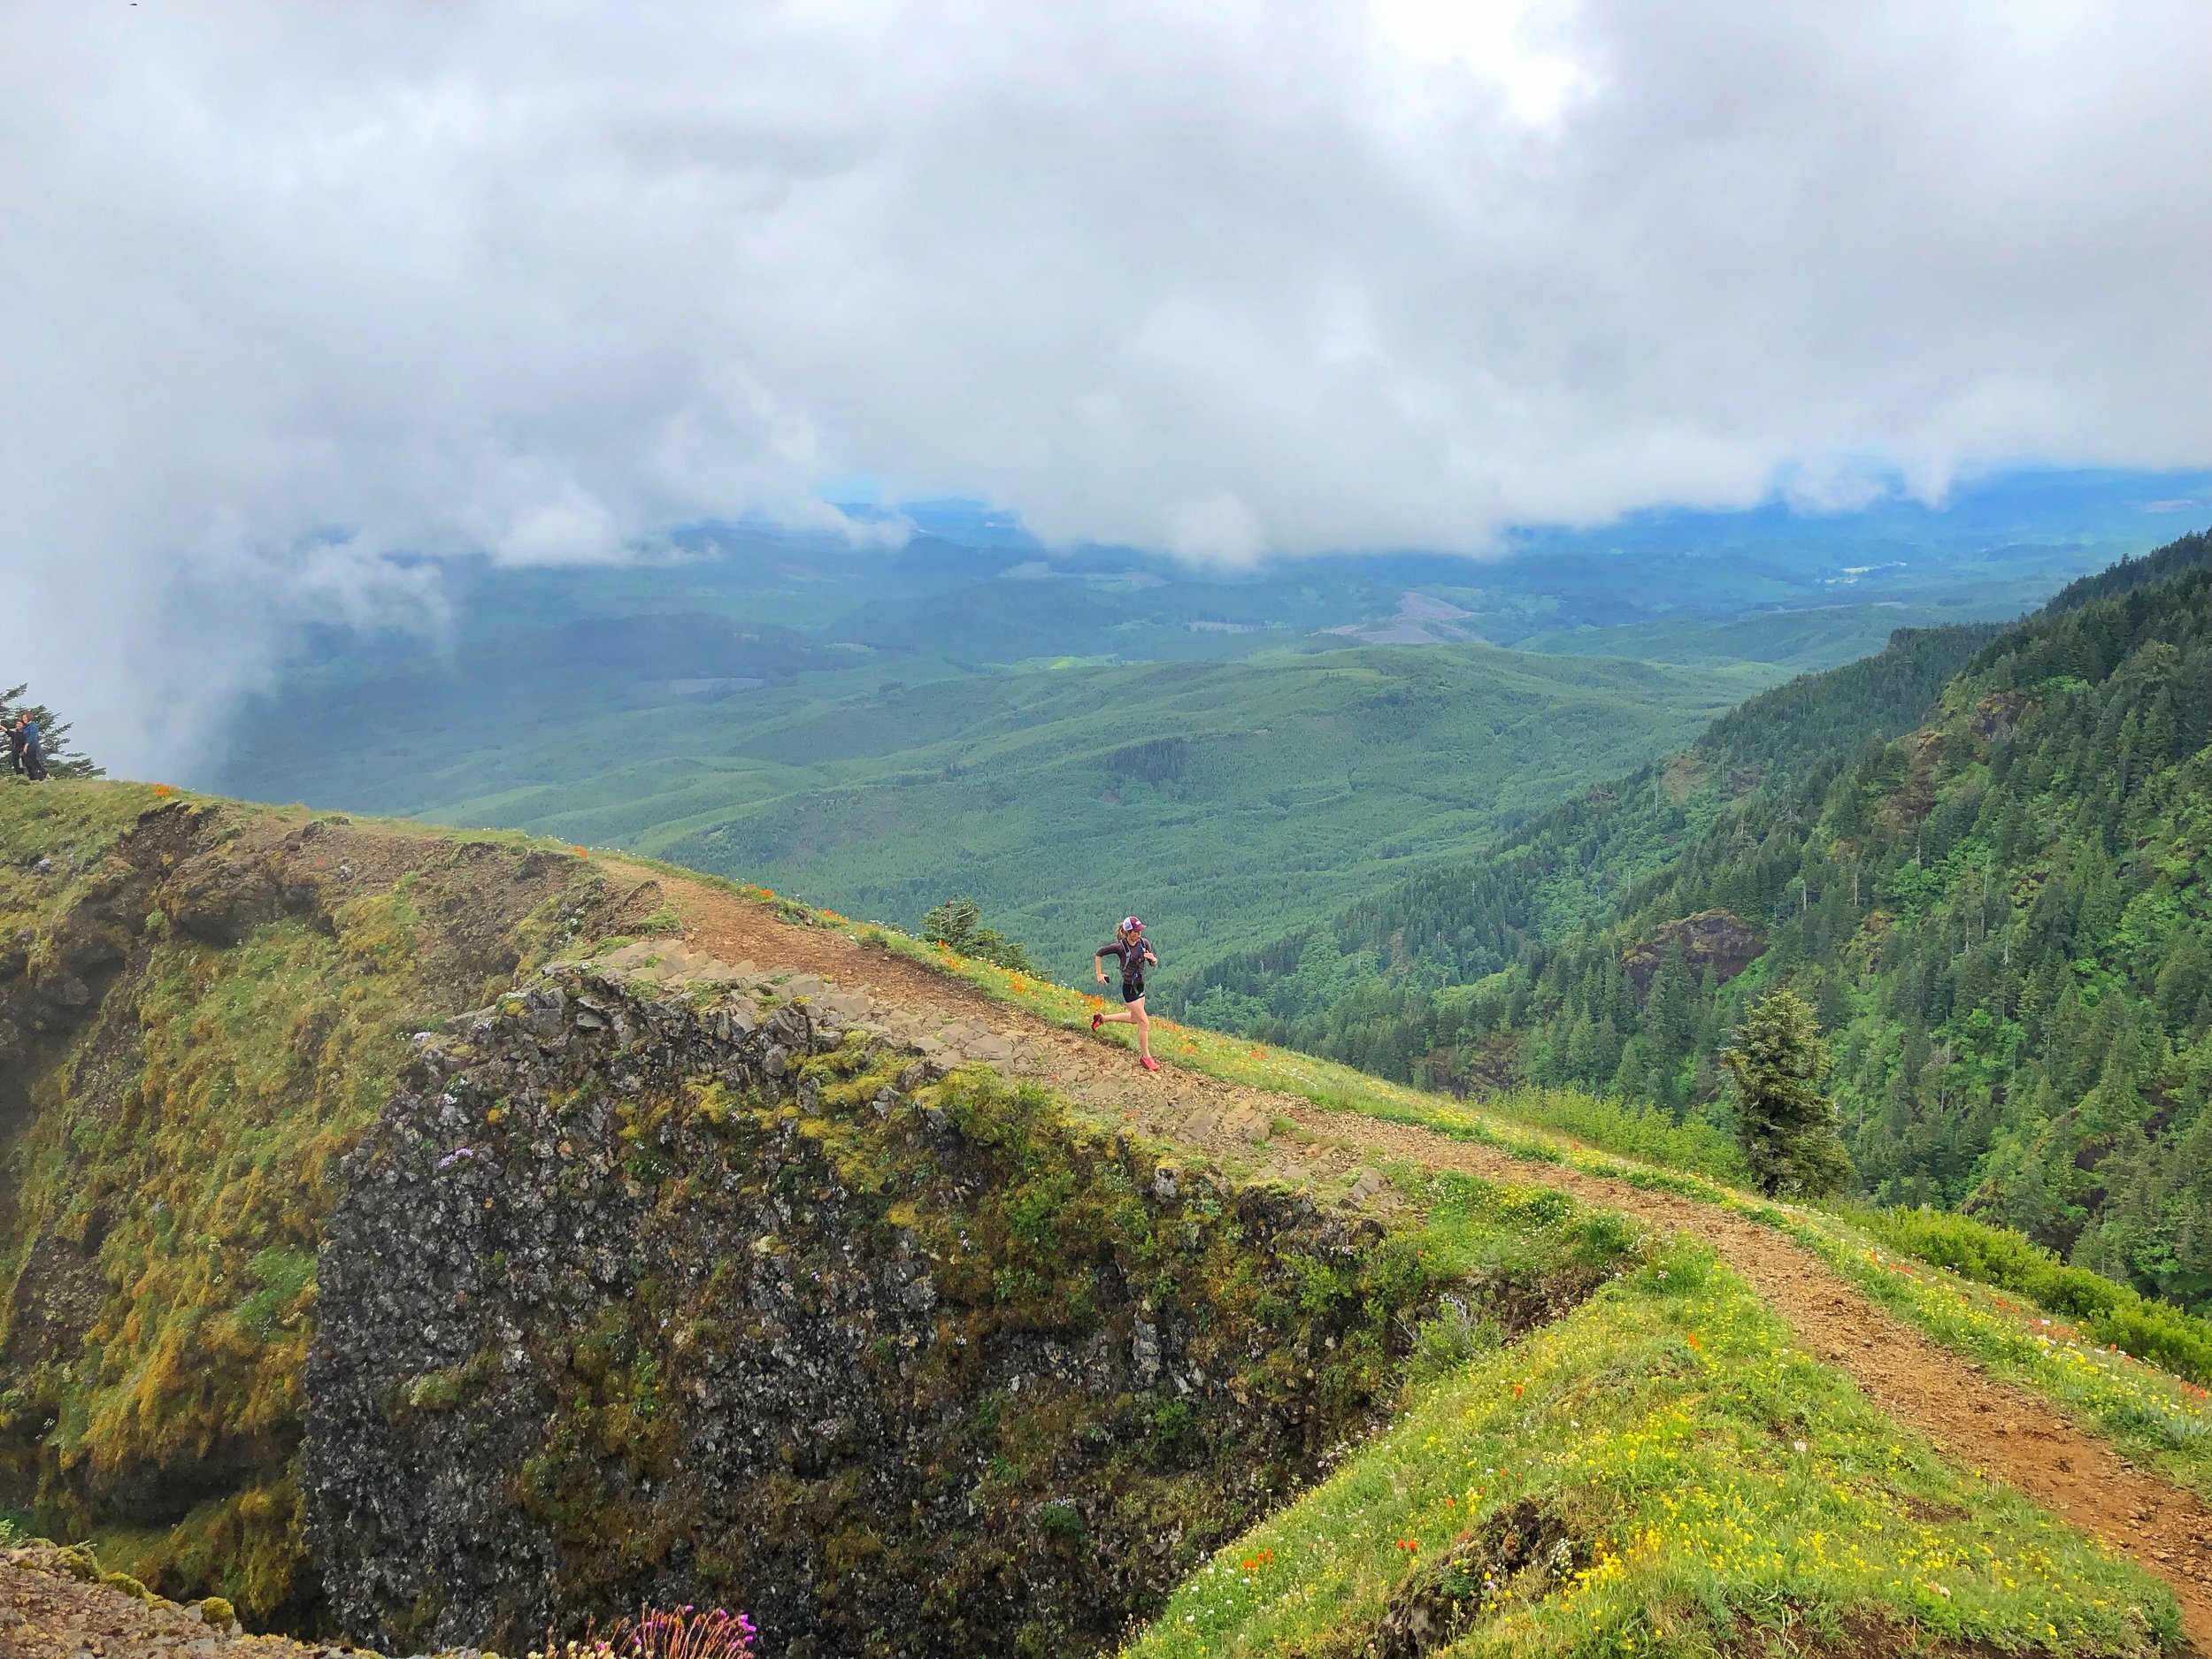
{"x": 162, "y": 791}
{"x": 581, "y": 852}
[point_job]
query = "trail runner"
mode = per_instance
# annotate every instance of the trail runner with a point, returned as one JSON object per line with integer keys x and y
{"x": 1128, "y": 947}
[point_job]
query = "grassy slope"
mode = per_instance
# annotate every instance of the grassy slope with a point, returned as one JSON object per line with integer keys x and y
{"x": 1702, "y": 1432}
{"x": 1215, "y": 798}
{"x": 1683, "y": 1477}
{"x": 1700, "y": 1470}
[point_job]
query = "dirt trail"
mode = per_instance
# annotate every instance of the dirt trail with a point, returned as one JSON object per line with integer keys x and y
{"x": 1985, "y": 1423}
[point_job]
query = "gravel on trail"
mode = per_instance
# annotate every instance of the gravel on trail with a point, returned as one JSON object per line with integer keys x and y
{"x": 2002, "y": 1431}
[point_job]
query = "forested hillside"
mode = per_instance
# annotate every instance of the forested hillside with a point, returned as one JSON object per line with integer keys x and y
{"x": 1361, "y": 986}
{"x": 2002, "y": 916}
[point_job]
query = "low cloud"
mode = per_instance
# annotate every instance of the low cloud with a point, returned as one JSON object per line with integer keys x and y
{"x": 295, "y": 290}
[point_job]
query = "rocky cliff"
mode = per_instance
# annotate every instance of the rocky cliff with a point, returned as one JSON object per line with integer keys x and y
{"x": 707, "y": 1291}
{"x": 201, "y": 1006}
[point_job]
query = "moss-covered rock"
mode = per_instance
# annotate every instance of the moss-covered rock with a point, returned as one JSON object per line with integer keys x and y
{"x": 757, "y": 1308}
{"x": 207, "y": 1004}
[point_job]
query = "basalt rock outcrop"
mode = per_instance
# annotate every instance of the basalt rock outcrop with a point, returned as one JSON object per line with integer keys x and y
{"x": 683, "y": 1287}
{"x": 1712, "y": 942}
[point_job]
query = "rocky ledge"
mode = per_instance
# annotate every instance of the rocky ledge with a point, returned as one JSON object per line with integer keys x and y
{"x": 671, "y": 1280}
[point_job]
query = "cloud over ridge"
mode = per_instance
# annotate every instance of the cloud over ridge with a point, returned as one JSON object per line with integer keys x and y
{"x": 295, "y": 290}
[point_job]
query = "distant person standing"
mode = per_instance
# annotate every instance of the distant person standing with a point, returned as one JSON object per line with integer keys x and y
{"x": 34, "y": 753}
{"x": 1129, "y": 949}
{"x": 15, "y": 744}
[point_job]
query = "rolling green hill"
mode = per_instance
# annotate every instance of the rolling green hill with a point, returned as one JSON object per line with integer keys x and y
{"x": 1803, "y": 641}
{"x": 1217, "y": 799}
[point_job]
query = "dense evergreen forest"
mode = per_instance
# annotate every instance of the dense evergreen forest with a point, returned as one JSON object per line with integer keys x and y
{"x": 2001, "y": 915}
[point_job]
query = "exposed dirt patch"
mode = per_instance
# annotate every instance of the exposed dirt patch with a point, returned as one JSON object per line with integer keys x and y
{"x": 1712, "y": 942}
{"x": 1985, "y": 1423}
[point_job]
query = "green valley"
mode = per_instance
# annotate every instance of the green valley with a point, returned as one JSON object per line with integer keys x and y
{"x": 1217, "y": 799}
{"x": 1066, "y": 735}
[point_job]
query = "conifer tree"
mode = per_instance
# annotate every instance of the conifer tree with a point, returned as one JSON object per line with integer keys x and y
{"x": 1785, "y": 1126}
{"x": 53, "y": 732}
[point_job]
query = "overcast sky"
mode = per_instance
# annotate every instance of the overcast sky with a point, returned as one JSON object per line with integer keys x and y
{"x": 286, "y": 288}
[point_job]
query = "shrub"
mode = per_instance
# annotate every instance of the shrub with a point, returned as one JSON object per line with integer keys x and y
{"x": 1449, "y": 1339}
{"x": 2107, "y": 1312}
{"x": 957, "y": 924}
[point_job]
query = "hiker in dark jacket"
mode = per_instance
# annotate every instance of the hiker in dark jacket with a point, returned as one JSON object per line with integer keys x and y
{"x": 34, "y": 754}
{"x": 1128, "y": 947}
{"x": 15, "y": 742}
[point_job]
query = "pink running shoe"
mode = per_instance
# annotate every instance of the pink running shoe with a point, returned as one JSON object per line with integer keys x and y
{"x": 1097, "y": 1020}
{"x": 1150, "y": 1064}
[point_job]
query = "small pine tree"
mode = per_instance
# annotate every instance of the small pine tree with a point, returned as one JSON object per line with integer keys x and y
{"x": 53, "y": 736}
{"x": 957, "y": 922}
{"x": 1785, "y": 1126}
